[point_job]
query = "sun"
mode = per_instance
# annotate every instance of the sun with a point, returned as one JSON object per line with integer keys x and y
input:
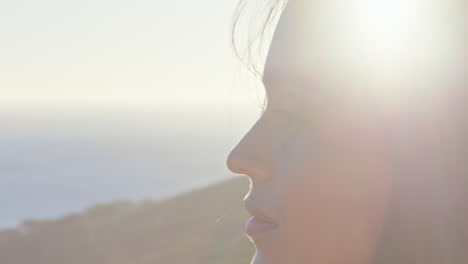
{"x": 395, "y": 48}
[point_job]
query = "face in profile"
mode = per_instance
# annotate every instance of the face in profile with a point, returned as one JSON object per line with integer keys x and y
{"x": 319, "y": 157}
{"x": 317, "y": 160}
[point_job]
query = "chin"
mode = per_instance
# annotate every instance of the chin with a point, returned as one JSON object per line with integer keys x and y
{"x": 260, "y": 258}
{"x": 257, "y": 259}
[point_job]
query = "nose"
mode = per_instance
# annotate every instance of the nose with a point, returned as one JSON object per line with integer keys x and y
{"x": 251, "y": 156}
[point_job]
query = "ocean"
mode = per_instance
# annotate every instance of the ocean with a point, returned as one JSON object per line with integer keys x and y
{"x": 60, "y": 159}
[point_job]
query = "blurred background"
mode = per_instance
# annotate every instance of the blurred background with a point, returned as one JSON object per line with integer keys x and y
{"x": 104, "y": 101}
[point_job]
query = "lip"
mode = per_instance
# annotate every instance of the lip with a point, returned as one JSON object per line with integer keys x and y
{"x": 256, "y": 226}
{"x": 260, "y": 223}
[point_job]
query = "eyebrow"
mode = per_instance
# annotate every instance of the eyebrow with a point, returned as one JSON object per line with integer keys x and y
{"x": 273, "y": 79}
{"x": 269, "y": 75}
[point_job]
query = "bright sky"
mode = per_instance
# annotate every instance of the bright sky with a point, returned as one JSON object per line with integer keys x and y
{"x": 115, "y": 50}
{"x": 70, "y": 57}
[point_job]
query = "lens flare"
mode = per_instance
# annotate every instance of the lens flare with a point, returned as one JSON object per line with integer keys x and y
{"x": 394, "y": 47}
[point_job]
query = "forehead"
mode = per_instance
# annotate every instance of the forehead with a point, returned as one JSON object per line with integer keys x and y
{"x": 326, "y": 39}
{"x": 286, "y": 52}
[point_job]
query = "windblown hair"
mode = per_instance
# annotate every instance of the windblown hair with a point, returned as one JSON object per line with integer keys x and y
{"x": 424, "y": 220}
{"x": 252, "y": 30}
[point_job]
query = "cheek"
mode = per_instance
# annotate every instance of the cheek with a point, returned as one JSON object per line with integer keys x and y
{"x": 334, "y": 202}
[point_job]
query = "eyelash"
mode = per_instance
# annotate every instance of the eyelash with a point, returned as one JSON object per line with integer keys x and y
{"x": 291, "y": 115}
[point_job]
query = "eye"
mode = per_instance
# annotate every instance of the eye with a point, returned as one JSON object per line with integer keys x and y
{"x": 292, "y": 114}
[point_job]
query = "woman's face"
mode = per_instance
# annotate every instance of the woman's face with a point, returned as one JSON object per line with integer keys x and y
{"x": 321, "y": 176}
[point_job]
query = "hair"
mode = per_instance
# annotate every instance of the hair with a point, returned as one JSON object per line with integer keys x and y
{"x": 424, "y": 222}
{"x": 253, "y": 25}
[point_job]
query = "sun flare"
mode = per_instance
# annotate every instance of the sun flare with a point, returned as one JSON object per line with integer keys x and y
{"x": 394, "y": 47}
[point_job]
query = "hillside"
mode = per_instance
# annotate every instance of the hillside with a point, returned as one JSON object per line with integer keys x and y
{"x": 179, "y": 230}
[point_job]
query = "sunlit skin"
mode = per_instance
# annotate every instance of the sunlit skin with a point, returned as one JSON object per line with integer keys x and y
{"x": 319, "y": 158}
